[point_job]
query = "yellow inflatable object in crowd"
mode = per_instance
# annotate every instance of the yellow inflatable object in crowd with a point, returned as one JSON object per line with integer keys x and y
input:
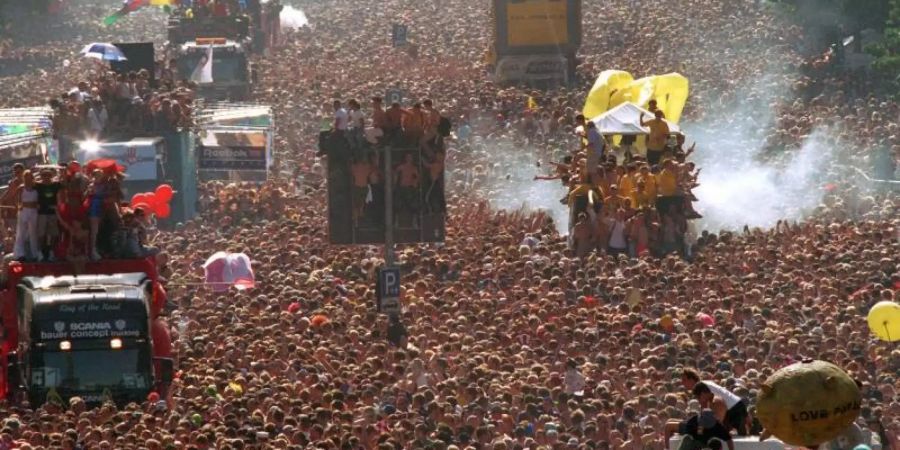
{"x": 884, "y": 321}
{"x": 808, "y": 403}
{"x": 614, "y": 87}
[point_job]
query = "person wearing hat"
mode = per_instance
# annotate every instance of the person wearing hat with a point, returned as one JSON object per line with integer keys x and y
{"x": 700, "y": 431}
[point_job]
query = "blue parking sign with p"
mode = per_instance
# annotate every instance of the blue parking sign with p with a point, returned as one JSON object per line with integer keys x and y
{"x": 390, "y": 282}
{"x": 388, "y": 289}
{"x": 399, "y": 35}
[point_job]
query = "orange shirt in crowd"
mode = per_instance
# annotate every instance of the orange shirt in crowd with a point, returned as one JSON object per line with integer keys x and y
{"x": 414, "y": 121}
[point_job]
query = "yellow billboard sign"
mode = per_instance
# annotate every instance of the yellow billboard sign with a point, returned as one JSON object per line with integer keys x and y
{"x": 537, "y": 23}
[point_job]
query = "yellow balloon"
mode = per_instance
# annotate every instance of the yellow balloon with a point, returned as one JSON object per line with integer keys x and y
{"x": 884, "y": 321}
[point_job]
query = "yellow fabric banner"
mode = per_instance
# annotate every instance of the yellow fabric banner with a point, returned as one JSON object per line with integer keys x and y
{"x": 614, "y": 87}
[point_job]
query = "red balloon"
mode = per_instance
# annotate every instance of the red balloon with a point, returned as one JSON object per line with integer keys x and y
{"x": 162, "y": 210}
{"x": 151, "y": 199}
{"x": 139, "y": 198}
{"x": 164, "y": 193}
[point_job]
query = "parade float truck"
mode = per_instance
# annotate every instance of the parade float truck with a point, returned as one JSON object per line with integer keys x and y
{"x": 260, "y": 24}
{"x": 231, "y": 76}
{"x": 95, "y": 334}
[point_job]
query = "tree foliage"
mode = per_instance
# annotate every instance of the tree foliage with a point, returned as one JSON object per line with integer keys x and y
{"x": 887, "y": 52}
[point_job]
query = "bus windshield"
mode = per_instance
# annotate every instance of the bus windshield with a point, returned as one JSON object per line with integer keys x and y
{"x": 227, "y": 67}
{"x": 89, "y": 370}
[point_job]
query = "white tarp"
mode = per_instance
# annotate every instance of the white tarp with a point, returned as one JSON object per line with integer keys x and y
{"x": 625, "y": 119}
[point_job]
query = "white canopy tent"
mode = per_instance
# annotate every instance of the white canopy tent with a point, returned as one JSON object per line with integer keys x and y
{"x": 625, "y": 119}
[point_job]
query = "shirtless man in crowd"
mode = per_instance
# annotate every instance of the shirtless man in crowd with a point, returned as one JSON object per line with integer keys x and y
{"x": 408, "y": 178}
{"x": 360, "y": 171}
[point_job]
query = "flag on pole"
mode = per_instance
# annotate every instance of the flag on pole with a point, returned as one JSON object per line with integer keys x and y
{"x": 129, "y": 6}
{"x": 203, "y": 72}
{"x": 134, "y": 5}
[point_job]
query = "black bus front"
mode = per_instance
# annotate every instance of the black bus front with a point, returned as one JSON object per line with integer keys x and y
{"x": 102, "y": 355}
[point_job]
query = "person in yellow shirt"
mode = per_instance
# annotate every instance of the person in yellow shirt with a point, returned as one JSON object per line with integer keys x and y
{"x": 659, "y": 135}
{"x": 644, "y": 197}
{"x": 667, "y": 180}
{"x": 628, "y": 183}
{"x": 667, "y": 187}
{"x": 649, "y": 181}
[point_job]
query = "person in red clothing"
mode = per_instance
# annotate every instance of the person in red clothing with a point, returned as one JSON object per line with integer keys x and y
{"x": 71, "y": 209}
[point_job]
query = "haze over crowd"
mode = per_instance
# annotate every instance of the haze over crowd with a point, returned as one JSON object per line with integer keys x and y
{"x": 509, "y": 339}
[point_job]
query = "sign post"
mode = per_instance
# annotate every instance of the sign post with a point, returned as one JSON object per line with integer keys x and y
{"x": 389, "y": 291}
{"x": 399, "y": 35}
{"x": 393, "y": 96}
{"x": 389, "y": 276}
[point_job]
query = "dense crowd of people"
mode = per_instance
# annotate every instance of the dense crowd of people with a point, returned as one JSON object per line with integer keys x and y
{"x": 509, "y": 338}
{"x": 115, "y": 105}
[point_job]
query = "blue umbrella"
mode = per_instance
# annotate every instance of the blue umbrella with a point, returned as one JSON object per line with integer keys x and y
{"x": 105, "y": 52}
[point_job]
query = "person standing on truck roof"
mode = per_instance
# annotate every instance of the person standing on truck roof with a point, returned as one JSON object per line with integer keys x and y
{"x": 26, "y": 225}
{"x": 356, "y": 125}
{"x": 103, "y": 199}
{"x": 376, "y": 133}
{"x": 596, "y": 147}
{"x": 659, "y": 134}
{"x": 9, "y": 202}
{"x": 414, "y": 125}
{"x": 393, "y": 121}
{"x": 341, "y": 119}
{"x": 432, "y": 120}
{"x": 48, "y": 231}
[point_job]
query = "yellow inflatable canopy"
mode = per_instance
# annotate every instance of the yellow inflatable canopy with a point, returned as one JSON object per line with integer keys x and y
{"x": 614, "y": 87}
